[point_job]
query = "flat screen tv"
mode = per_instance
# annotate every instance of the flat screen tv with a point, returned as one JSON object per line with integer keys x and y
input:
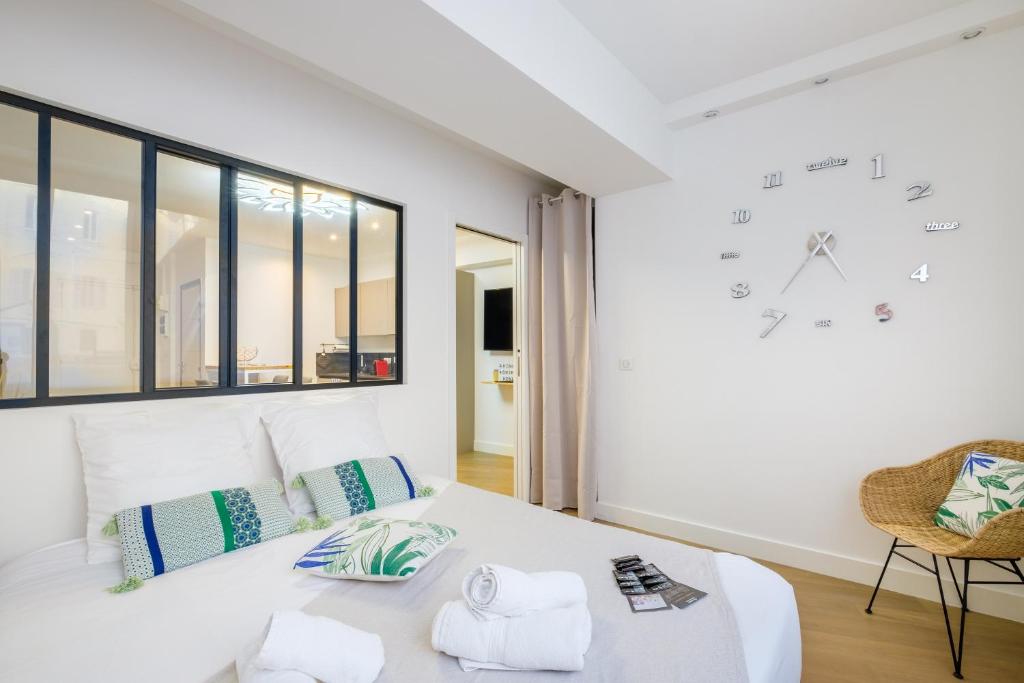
{"x": 498, "y": 319}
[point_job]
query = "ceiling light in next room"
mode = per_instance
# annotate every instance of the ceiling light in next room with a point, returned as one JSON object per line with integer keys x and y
{"x": 375, "y": 225}
{"x": 821, "y": 80}
{"x": 333, "y": 237}
{"x": 711, "y": 113}
{"x": 973, "y": 33}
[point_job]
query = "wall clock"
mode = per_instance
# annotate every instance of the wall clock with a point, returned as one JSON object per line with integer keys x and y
{"x": 823, "y": 242}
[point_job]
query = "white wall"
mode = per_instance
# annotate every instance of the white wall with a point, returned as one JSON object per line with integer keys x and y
{"x": 758, "y": 445}
{"x": 494, "y": 409}
{"x": 139, "y": 64}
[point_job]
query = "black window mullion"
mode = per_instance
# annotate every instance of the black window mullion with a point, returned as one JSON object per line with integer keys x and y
{"x": 297, "y": 284}
{"x": 43, "y": 198}
{"x": 148, "y": 298}
{"x": 227, "y": 309}
{"x": 399, "y": 290}
{"x": 353, "y": 291}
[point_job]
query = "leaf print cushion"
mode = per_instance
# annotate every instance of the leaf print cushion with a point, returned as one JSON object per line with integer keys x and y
{"x": 377, "y": 549}
{"x": 986, "y": 486}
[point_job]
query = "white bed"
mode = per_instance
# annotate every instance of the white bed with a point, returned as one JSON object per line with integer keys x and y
{"x": 57, "y": 622}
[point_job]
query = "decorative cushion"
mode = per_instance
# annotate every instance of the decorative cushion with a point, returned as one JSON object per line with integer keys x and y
{"x": 356, "y": 486}
{"x": 310, "y": 435}
{"x": 377, "y": 549}
{"x": 165, "y": 536}
{"x": 986, "y": 486}
{"x": 160, "y": 453}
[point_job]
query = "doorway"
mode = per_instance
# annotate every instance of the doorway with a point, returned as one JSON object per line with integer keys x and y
{"x": 489, "y": 391}
{"x": 191, "y": 371}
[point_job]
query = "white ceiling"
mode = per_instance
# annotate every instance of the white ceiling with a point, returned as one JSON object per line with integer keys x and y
{"x": 681, "y": 47}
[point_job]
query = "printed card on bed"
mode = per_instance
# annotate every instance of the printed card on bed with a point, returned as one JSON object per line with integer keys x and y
{"x": 376, "y": 549}
{"x": 357, "y": 486}
{"x": 172, "y": 534}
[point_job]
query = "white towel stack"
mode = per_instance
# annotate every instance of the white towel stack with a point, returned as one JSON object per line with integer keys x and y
{"x": 299, "y": 648}
{"x": 513, "y": 620}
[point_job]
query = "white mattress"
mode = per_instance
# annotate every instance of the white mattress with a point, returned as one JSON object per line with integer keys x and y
{"x": 57, "y": 622}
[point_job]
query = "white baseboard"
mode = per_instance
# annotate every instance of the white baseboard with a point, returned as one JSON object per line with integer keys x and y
{"x": 901, "y": 577}
{"x": 493, "y": 447}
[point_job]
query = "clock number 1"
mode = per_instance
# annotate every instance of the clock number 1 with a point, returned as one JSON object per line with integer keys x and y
{"x": 879, "y": 162}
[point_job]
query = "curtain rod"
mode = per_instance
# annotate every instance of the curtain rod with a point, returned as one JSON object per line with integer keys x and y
{"x": 551, "y": 201}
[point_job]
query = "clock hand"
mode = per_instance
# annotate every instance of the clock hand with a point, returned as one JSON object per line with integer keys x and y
{"x": 828, "y": 252}
{"x": 800, "y": 269}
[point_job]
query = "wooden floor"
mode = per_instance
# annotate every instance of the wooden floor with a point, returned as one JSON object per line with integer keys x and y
{"x": 904, "y": 640}
{"x": 486, "y": 471}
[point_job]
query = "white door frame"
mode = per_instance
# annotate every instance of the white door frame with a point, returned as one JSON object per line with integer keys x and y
{"x": 521, "y": 391}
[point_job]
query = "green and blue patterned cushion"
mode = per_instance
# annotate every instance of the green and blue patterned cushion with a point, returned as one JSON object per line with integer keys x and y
{"x": 165, "y": 536}
{"x": 357, "y": 486}
{"x": 377, "y": 549}
{"x": 986, "y": 486}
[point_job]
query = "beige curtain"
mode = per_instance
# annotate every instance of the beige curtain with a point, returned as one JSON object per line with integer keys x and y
{"x": 562, "y": 338}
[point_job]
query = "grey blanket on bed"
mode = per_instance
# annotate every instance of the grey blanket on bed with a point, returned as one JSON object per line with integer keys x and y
{"x": 699, "y": 643}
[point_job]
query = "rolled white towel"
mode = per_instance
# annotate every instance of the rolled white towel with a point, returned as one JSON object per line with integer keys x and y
{"x": 248, "y": 672}
{"x": 554, "y": 639}
{"x": 493, "y": 591}
{"x": 298, "y": 647}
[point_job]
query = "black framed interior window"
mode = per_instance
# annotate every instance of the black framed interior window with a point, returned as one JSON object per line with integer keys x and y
{"x": 137, "y": 267}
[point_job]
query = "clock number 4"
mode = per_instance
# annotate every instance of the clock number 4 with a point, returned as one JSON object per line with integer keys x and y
{"x": 919, "y": 191}
{"x": 921, "y": 274}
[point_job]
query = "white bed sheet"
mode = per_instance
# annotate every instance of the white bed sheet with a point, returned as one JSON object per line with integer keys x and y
{"x": 57, "y": 622}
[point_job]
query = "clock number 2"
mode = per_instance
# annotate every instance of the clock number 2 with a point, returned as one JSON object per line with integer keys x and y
{"x": 919, "y": 191}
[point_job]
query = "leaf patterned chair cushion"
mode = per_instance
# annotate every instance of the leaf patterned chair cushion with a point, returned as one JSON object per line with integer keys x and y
{"x": 986, "y": 486}
{"x": 165, "y": 536}
{"x": 377, "y": 549}
{"x": 357, "y": 486}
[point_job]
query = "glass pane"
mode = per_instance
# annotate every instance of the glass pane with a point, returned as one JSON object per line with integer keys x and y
{"x": 378, "y": 248}
{"x": 264, "y": 280}
{"x": 18, "y": 134}
{"x": 94, "y": 261}
{"x": 187, "y": 272}
{"x": 325, "y": 285}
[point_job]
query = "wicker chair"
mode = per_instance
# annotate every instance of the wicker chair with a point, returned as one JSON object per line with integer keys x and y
{"x": 902, "y": 502}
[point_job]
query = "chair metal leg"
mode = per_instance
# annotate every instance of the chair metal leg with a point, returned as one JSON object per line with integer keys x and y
{"x": 945, "y": 615}
{"x": 882, "y": 575}
{"x": 961, "y": 596}
{"x": 963, "y": 619}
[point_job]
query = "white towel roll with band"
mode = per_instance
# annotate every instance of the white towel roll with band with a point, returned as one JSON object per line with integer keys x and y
{"x": 554, "y": 639}
{"x": 495, "y": 591}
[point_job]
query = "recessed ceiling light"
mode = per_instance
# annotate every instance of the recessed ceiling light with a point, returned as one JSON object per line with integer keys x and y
{"x": 821, "y": 80}
{"x": 71, "y": 239}
{"x": 334, "y": 238}
{"x": 87, "y": 212}
{"x": 78, "y": 227}
{"x": 711, "y": 113}
{"x": 973, "y": 33}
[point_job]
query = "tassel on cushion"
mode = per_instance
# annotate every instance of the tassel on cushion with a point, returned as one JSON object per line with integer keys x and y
{"x": 110, "y": 528}
{"x": 425, "y": 492}
{"x": 130, "y": 584}
{"x": 305, "y": 524}
{"x": 297, "y": 482}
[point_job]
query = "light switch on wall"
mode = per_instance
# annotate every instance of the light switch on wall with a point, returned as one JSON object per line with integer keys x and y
{"x": 625, "y": 364}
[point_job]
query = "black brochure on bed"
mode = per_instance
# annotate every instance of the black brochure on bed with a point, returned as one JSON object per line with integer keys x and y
{"x": 647, "y": 588}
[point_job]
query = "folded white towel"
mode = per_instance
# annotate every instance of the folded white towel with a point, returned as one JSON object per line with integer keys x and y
{"x": 554, "y": 639}
{"x": 298, "y": 647}
{"x": 495, "y": 591}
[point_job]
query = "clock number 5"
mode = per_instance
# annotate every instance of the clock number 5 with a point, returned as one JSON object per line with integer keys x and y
{"x": 919, "y": 191}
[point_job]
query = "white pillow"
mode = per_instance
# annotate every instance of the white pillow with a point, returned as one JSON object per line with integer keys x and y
{"x": 311, "y": 436}
{"x": 151, "y": 455}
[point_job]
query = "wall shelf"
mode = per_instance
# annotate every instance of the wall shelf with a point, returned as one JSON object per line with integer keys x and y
{"x": 491, "y": 381}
